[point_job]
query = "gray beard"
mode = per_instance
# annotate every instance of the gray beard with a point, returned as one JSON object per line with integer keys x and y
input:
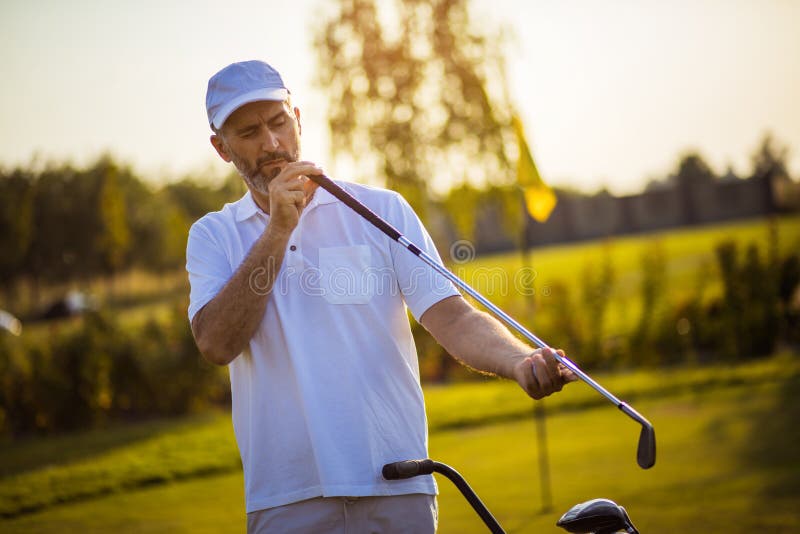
{"x": 253, "y": 177}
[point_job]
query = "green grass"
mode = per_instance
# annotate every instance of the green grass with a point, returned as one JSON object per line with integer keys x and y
{"x": 726, "y": 463}
{"x": 207, "y": 505}
{"x": 483, "y": 429}
{"x": 69, "y": 468}
{"x": 711, "y": 475}
{"x": 471, "y": 403}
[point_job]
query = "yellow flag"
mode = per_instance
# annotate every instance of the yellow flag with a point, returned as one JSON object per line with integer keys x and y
{"x": 539, "y": 198}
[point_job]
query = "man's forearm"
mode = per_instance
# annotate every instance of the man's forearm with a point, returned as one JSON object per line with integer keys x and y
{"x": 484, "y": 343}
{"x": 488, "y": 346}
{"x": 224, "y": 326}
{"x": 480, "y": 341}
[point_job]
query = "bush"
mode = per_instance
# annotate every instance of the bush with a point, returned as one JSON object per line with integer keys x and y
{"x": 91, "y": 369}
{"x": 752, "y": 316}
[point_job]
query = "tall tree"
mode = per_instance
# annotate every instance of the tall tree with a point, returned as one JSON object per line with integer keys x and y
{"x": 769, "y": 159}
{"x": 16, "y": 223}
{"x": 693, "y": 171}
{"x": 113, "y": 239}
{"x": 415, "y": 93}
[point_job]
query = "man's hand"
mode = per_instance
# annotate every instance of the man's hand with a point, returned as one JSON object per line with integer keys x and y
{"x": 289, "y": 193}
{"x": 540, "y": 374}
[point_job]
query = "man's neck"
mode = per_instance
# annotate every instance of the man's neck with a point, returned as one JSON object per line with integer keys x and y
{"x": 262, "y": 203}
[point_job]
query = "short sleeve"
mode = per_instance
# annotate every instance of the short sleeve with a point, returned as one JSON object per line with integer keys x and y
{"x": 421, "y": 286}
{"x": 208, "y": 267}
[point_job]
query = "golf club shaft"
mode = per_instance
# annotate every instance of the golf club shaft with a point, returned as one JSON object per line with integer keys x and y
{"x": 393, "y": 233}
{"x": 510, "y": 321}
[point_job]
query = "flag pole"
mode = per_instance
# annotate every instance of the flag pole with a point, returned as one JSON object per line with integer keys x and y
{"x": 539, "y": 411}
{"x": 538, "y": 202}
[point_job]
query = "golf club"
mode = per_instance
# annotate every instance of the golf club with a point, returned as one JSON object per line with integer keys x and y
{"x": 600, "y": 516}
{"x": 413, "y": 468}
{"x": 597, "y": 516}
{"x": 646, "y": 452}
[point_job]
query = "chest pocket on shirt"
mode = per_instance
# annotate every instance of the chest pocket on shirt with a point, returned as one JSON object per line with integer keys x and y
{"x": 346, "y": 274}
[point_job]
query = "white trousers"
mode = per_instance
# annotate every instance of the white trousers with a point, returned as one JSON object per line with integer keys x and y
{"x": 399, "y": 514}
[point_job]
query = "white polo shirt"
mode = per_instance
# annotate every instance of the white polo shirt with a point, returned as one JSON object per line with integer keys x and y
{"x": 327, "y": 390}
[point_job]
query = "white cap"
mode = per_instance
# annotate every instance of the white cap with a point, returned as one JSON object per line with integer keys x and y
{"x": 239, "y": 84}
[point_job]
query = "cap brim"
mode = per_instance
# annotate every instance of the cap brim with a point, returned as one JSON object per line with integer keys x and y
{"x": 274, "y": 95}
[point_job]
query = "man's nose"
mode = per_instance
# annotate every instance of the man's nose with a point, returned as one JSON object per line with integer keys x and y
{"x": 271, "y": 141}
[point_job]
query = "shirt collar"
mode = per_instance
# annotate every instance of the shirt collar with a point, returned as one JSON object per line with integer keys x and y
{"x": 246, "y": 207}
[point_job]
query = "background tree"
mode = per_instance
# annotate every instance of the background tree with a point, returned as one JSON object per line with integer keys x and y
{"x": 769, "y": 159}
{"x": 692, "y": 171}
{"x": 415, "y": 94}
{"x": 114, "y": 236}
{"x": 16, "y": 224}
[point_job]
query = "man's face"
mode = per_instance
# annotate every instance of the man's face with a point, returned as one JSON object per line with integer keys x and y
{"x": 260, "y": 138}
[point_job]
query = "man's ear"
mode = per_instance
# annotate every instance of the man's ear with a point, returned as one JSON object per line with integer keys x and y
{"x": 297, "y": 116}
{"x": 219, "y": 146}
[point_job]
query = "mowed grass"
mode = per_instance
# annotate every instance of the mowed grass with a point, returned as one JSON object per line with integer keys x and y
{"x": 38, "y": 473}
{"x": 41, "y": 473}
{"x": 708, "y": 476}
{"x": 727, "y": 460}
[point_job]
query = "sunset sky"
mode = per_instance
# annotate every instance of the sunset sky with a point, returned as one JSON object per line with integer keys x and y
{"x": 611, "y": 92}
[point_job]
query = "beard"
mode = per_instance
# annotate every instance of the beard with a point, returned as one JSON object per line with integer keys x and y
{"x": 252, "y": 175}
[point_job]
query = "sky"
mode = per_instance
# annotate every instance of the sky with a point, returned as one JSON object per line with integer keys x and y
{"x": 611, "y": 92}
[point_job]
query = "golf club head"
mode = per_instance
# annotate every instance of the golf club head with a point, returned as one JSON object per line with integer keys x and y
{"x": 600, "y": 516}
{"x": 646, "y": 451}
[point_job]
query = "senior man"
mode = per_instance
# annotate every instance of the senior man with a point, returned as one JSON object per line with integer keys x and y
{"x": 306, "y": 303}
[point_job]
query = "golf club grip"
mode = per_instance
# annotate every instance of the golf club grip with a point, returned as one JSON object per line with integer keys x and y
{"x": 331, "y": 187}
{"x": 407, "y": 469}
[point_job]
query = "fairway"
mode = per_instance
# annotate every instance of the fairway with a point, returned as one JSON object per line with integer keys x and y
{"x": 726, "y": 463}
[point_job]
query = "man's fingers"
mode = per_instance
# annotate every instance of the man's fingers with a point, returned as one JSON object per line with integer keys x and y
{"x": 550, "y": 360}
{"x": 291, "y": 172}
{"x": 542, "y": 374}
{"x": 309, "y": 186}
{"x": 530, "y": 381}
{"x": 566, "y": 373}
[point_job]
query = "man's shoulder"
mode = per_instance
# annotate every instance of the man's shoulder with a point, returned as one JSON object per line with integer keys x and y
{"x": 226, "y": 216}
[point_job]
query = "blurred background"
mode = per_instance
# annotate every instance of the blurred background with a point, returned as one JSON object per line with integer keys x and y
{"x": 620, "y": 176}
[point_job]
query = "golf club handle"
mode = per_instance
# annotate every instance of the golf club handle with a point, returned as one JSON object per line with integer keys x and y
{"x": 407, "y": 469}
{"x": 353, "y": 203}
{"x": 412, "y": 468}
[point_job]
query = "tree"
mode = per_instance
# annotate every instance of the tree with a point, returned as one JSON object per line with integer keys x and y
{"x": 61, "y": 245}
{"x": 769, "y": 159}
{"x": 16, "y": 224}
{"x": 114, "y": 235}
{"x": 412, "y": 98}
{"x": 692, "y": 172}
{"x": 692, "y": 168}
